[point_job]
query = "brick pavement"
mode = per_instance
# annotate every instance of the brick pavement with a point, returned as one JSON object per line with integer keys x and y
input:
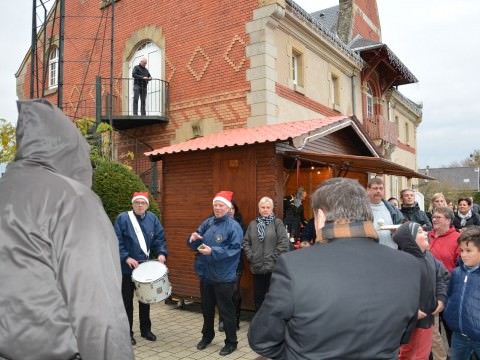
{"x": 178, "y": 331}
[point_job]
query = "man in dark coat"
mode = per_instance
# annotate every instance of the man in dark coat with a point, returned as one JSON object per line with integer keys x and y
{"x": 60, "y": 296}
{"x": 141, "y": 77}
{"x": 358, "y": 297}
{"x": 412, "y": 212}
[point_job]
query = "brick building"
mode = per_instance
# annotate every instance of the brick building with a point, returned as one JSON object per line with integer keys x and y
{"x": 226, "y": 65}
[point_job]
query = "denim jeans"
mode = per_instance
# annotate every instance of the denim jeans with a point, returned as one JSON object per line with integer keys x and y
{"x": 463, "y": 347}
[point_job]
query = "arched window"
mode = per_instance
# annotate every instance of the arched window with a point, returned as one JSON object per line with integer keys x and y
{"x": 370, "y": 111}
{"x": 53, "y": 68}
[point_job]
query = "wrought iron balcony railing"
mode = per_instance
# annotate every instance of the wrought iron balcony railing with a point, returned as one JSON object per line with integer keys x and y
{"x": 115, "y": 100}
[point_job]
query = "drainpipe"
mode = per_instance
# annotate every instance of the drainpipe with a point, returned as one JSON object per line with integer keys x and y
{"x": 354, "y": 107}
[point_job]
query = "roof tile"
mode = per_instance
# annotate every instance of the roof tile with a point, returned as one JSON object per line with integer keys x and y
{"x": 247, "y": 136}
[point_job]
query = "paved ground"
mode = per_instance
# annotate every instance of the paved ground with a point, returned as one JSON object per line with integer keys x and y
{"x": 178, "y": 332}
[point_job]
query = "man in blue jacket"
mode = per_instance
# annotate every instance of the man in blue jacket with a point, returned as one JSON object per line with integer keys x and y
{"x": 218, "y": 243}
{"x": 139, "y": 233}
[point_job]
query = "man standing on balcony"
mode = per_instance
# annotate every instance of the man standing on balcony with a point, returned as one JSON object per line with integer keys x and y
{"x": 141, "y": 77}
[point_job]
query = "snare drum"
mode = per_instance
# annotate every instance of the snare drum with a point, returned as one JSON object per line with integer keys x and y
{"x": 151, "y": 282}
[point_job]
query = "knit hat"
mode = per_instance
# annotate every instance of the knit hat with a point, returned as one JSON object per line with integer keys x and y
{"x": 405, "y": 237}
{"x": 225, "y": 197}
{"x": 141, "y": 196}
{"x": 413, "y": 227}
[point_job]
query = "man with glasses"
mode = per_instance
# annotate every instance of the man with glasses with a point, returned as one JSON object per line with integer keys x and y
{"x": 140, "y": 238}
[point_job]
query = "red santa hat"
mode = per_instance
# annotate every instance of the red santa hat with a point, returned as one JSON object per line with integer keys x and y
{"x": 225, "y": 197}
{"x": 141, "y": 196}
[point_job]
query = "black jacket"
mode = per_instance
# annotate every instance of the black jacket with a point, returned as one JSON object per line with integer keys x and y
{"x": 416, "y": 215}
{"x": 434, "y": 276}
{"x": 352, "y": 306}
{"x": 138, "y": 74}
{"x": 457, "y": 221}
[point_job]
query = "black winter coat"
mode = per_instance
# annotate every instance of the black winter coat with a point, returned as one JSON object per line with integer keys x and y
{"x": 353, "y": 295}
{"x": 416, "y": 215}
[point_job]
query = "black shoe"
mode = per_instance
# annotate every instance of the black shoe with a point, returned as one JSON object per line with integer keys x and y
{"x": 134, "y": 342}
{"x": 220, "y": 326}
{"x": 203, "y": 344}
{"x": 149, "y": 336}
{"x": 228, "y": 349}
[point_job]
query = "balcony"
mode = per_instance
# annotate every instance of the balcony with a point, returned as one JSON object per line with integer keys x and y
{"x": 378, "y": 128}
{"x": 118, "y": 107}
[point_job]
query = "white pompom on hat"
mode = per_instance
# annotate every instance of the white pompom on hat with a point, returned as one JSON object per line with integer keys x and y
{"x": 140, "y": 195}
{"x": 225, "y": 197}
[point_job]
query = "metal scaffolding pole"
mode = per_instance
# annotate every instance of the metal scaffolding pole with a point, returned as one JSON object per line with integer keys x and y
{"x": 61, "y": 55}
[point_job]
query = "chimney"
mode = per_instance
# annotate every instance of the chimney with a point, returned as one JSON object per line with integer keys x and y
{"x": 345, "y": 21}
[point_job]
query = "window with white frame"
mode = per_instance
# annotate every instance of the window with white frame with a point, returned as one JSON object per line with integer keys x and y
{"x": 370, "y": 111}
{"x": 297, "y": 68}
{"x": 335, "y": 90}
{"x": 53, "y": 68}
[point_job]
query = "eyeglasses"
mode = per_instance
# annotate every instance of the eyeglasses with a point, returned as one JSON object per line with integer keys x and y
{"x": 438, "y": 217}
{"x": 138, "y": 203}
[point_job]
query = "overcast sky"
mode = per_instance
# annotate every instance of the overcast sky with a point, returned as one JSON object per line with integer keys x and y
{"x": 436, "y": 39}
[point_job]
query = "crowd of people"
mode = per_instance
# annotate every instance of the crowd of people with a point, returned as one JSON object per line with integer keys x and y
{"x": 376, "y": 279}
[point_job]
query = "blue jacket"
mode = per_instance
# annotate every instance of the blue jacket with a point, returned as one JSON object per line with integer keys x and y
{"x": 224, "y": 235}
{"x": 463, "y": 309}
{"x": 128, "y": 242}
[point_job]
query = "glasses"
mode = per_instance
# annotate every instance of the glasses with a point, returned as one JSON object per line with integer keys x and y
{"x": 140, "y": 203}
{"x": 436, "y": 217}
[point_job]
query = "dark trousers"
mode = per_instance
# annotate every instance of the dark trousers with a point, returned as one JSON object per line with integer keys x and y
{"x": 261, "y": 283}
{"x": 139, "y": 92}
{"x": 237, "y": 298}
{"x": 143, "y": 309}
{"x": 221, "y": 295}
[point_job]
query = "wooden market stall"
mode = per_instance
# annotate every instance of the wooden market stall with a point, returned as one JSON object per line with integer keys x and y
{"x": 270, "y": 160}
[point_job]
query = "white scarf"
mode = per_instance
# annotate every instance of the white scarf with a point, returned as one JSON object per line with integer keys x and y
{"x": 464, "y": 218}
{"x": 139, "y": 233}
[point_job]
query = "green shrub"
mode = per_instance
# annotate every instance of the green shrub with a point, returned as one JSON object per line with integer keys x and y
{"x": 115, "y": 184}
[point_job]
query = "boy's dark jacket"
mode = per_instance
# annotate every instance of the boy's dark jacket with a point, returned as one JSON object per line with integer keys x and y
{"x": 462, "y": 313}
{"x": 434, "y": 276}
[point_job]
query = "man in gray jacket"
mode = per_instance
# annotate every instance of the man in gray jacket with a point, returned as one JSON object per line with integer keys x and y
{"x": 61, "y": 284}
{"x": 346, "y": 298}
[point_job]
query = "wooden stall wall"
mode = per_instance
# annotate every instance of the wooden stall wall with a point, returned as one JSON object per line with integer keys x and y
{"x": 191, "y": 180}
{"x": 187, "y": 196}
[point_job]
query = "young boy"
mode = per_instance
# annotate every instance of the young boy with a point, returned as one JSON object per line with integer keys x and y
{"x": 411, "y": 238}
{"x": 463, "y": 309}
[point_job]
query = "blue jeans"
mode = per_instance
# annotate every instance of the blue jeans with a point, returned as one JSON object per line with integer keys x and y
{"x": 463, "y": 347}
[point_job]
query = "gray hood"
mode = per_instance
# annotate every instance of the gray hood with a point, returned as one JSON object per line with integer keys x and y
{"x": 46, "y": 137}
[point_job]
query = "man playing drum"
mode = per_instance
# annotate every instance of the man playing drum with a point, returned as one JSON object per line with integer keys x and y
{"x": 139, "y": 233}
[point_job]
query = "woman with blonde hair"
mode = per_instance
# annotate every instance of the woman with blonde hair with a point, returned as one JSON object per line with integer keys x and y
{"x": 438, "y": 200}
{"x": 265, "y": 240}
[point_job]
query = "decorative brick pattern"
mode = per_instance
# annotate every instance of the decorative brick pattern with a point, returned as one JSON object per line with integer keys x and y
{"x": 236, "y": 42}
{"x": 171, "y": 70}
{"x": 202, "y": 56}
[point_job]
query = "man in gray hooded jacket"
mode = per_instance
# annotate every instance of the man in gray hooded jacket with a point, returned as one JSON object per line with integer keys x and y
{"x": 61, "y": 284}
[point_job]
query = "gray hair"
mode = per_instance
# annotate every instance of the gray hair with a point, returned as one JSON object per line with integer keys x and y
{"x": 266, "y": 199}
{"x": 342, "y": 198}
{"x": 445, "y": 211}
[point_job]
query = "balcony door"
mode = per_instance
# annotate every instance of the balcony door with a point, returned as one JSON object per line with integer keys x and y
{"x": 155, "y": 90}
